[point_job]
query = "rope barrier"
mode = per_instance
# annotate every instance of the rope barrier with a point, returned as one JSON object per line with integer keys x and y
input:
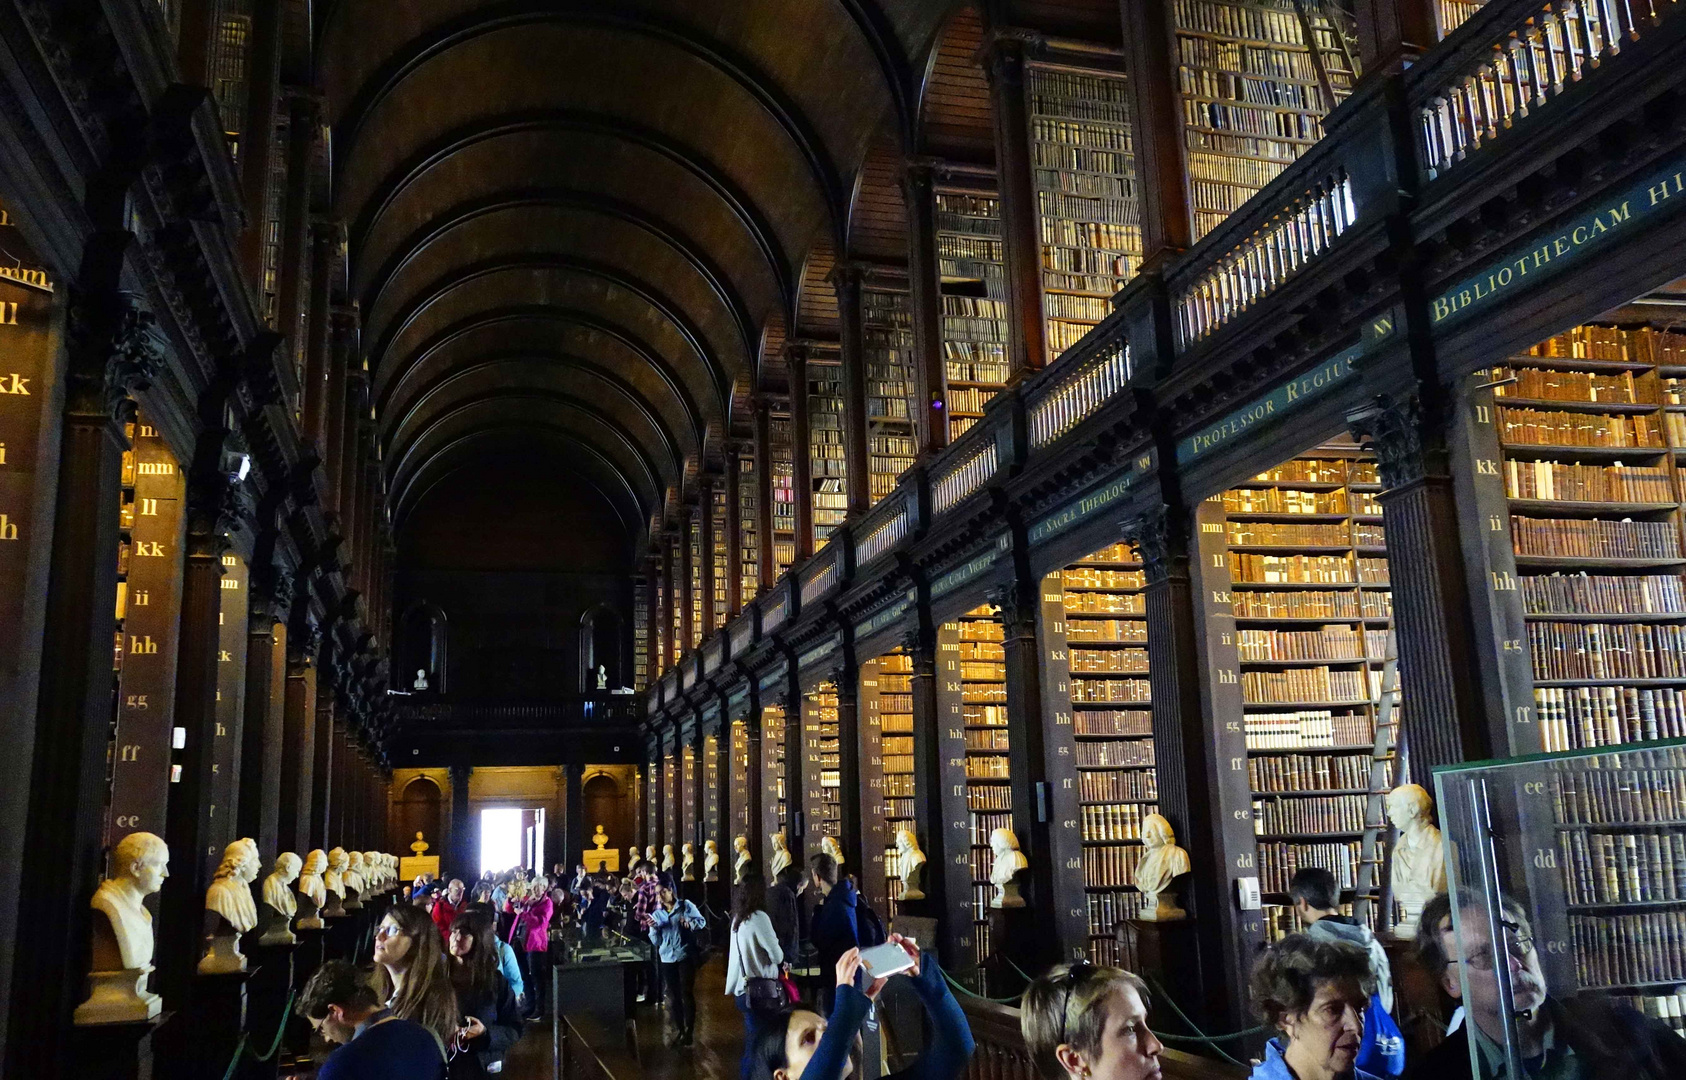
{"x": 228, "y": 1073}
{"x": 973, "y": 993}
{"x": 280, "y": 1030}
{"x": 1192, "y": 1026}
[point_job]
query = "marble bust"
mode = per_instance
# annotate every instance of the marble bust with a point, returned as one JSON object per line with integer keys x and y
{"x": 313, "y": 894}
{"x": 420, "y": 682}
{"x": 667, "y": 857}
{"x": 632, "y": 858}
{"x": 711, "y": 861}
{"x": 781, "y": 855}
{"x": 650, "y": 854}
{"x": 229, "y": 908}
{"x": 830, "y": 846}
{"x": 1419, "y": 860}
{"x": 910, "y": 865}
{"x": 1162, "y": 863}
{"x": 1003, "y": 871}
{"x": 688, "y": 862}
{"x": 334, "y": 881}
{"x": 353, "y": 880}
{"x": 122, "y": 934}
{"x": 279, "y": 904}
{"x": 740, "y": 848}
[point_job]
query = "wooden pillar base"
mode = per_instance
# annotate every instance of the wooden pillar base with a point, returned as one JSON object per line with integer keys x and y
{"x": 199, "y": 1042}
{"x": 115, "y": 1051}
{"x": 267, "y": 996}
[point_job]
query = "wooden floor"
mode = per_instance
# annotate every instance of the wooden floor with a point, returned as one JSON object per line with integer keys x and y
{"x": 719, "y": 1038}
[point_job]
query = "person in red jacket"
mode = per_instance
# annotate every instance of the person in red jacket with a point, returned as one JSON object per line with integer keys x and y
{"x": 531, "y": 933}
{"x": 445, "y": 909}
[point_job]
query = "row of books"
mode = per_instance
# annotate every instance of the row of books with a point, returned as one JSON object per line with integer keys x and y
{"x": 1110, "y": 691}
{"x": 1230, "y": 56}
{"x": 1308, "y": 729}
{"x": 986, "y": 739}
{"x": 1111, "y": 867}
{"x": 1536, "y": 427}
{"x": 1312, "y": 604}
{"x": 1217, "y": 85}
{"x": 1643, "y": 345}
{"x": 1115, "y": 755}
{"x": 1607, "y": 650}
{"x": 1629, "y": 950}
{"x": 985, "y": 716}
{"x": 1089, "y": 577}
{"x": 982, "y": 799}
{"x": 978, "y": 371}
{"x": 1270, "y": 123}
{"x": 1107, "y": 909}
{"x": 1313, "y": 814}
{"x": 1065, "y": 129}
{"x": 1555, "y": 384}
{"x": 1320, "y": 470}
{"x": 1260, "y": 20}
{"x": 1624, "y": 868}
{"x": 1084, "y": 628}
{"x": 1116, "y": 661}
{"x": 1298, "y": 534}
{"x": 1103, "y": 722}
{"x": 1587, "y": 717}
{"x": 1307, "y": 684}
{"x": 1595, "y": 538}
{"x": 1279, "y": 861}
{"x": 1339, "y": 641}
{"x": 1568, "y": 594}
{"x": 1551, "y": 481}
{"x": 1061, "y": 172}
{"x": 1292, "y": 569}
{"x": 987, "y": 767}
{"x": 1105, "y": 603}
{"x": 1114, "y": 822}
{"x": 1121, "y": 786}
{"x": 1620, "y": 796}
{"x": 1308, "y": 772}
{"x": 1228, "y": 169}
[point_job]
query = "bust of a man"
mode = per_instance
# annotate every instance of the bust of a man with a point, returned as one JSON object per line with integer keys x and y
{"x": 910, "y": 865}
{"x": 421, "y": 680}
{"x": 667, "y": 856}
{"x": 279, "y": 904}
{"x": 781, "y": 855}
{"x": 830, "y": 846}
{"x": 1162, "y": 863}
{"x": 352, "y": 878}
{"x": 650, "y": 854}
{"x": 312, "y": 893}
{"x": 711, "y": 861}
{"x": 688, "y": 862}
{"x": 122, "y": 933}
{"x": 740, "y": 849}
{"x": 229, "y": 909}
{"x": 1419, "y": 860}
{"x": 632, "y": 858}
{"x": 602, "y": 677}
{"x": 601, "y": 839}
{"x": 1003, "y": 871}
{"x": 333, "y": 879}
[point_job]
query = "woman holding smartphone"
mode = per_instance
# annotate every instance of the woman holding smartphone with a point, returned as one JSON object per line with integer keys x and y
{"x": 798, "y": 1044}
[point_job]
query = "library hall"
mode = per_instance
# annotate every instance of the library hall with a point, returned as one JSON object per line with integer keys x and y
{"x": 821, "y": 539}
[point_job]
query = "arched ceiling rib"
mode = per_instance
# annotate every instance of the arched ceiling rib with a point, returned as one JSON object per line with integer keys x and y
{"x": 578, "y": 224}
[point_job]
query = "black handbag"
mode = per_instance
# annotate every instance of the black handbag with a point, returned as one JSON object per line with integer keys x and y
{"x": 765, "y": 995}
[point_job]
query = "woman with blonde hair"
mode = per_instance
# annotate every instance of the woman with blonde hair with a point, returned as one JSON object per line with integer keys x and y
{"x": 410, "y": 961}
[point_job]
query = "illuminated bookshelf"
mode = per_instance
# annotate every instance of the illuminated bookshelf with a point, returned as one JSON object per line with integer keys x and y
{"x": 974, "y": 301}
{"x": 887, "y": 335}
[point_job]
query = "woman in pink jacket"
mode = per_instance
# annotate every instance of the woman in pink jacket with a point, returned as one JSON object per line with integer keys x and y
{"x": 531, "y": 932}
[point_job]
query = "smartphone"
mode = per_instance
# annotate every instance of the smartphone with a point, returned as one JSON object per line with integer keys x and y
{"x": 882, "y": 961}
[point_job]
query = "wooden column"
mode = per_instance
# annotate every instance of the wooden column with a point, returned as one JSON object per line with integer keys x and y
{"x": 734, "y": 533}
{"x": 1041, "y": 754}
{"x": 304, "y": 118}
{"x": 801, "y": 454}
{"x": 850, "y": 735}
{"x": 869, "y": 785}
{"x": 188, "y": 818}
{"x": 668, "y": 599}
{"x": 846, "y": 280}
{"x": 261, "y": 735}
{"x": 686, "y": 591}
{"x": 766, "y": 564}
{"x": 257, "y": 142}
{"x": 1446, "y": 719}
{"x": 924, "y": 277}
{"x": 321, "y": 825}
{"x": 700, "y": 823}
{"x": 465, "y": 831}
{"x": 573, "y": 777}
{"x": 1392, "y": 33}
{"x": 795, "y": 772}
{"x": 1184, "y": 756}
{"x": 652, "y": 620}
{"x": 62, "y": 856}
{"x": 1004, "y": 62}
{"x": 755, "y": 788}
{"x": 1156, "y": 134}
{"x": 325, "y": 240}
{"x": 705, "y": 548}
{"x": 298, "y": 750}
{"x": 939, "y": 788}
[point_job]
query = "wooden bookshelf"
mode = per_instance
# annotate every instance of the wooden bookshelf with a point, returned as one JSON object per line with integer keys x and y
{"x": 694, "y": 538}
{"x": 1105, "y": 642}
{"x": 774, "y": 788}
{"x": 822, "y": 758}
{"x": 1088, "y": 213}
{"x": 640, "y": 633}
{"x": 1256, "y": 79}
{"x": 971, "y": 260}
{"x": 887, "y": 341}
{"x": 737, "y": 819}
{"x": 784, "y": 496}
{"x": 716, "y": 541}
{"x": 989, "y": 801}
{"x": 749, "y": 539}
{"x": 1308, "y": 577}
{"x": 829, "y": 472}
{"x": 887, "y": 694}
{"x": 710, "y": 825}
{"x": 1452, "y": 14}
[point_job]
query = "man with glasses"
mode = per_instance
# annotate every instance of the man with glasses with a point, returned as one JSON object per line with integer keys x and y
{"x": 1583, "y": 1037}
{"x": 342, "y": 1007}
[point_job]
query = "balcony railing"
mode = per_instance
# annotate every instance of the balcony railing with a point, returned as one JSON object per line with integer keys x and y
{"x": 966, "y": 475}
{"x": 419, "y": 713}
{"x": 882, "y": 529}
{"x": 1093, "y": 370}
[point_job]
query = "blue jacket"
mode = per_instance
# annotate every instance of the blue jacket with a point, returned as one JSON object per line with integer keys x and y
{"x": 946, "y": 1052}
{"x": 387, "y": 1049}
{"x": 510, "y": 967}
{"x": 665, "y": 930}
{"x": 834, "y": 930}
{"x": 1274, "y": 1068}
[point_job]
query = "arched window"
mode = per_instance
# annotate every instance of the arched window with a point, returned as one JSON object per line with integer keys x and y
{"x": 421, "y": 648}
{"x": 600, "y": 647}
{"x": 421, "y": 809}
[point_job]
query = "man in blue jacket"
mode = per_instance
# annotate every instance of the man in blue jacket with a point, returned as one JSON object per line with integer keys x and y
{"x": 341, "y": 1005}
{"x": 834, "y": 930}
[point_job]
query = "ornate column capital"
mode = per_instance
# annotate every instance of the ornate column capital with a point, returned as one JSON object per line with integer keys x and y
{"x": 116, "y": 350}
{"x": 1391, "y": 428}
{"x": 1154, "y": 533}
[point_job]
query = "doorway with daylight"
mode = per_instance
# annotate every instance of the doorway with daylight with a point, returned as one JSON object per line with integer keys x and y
{"x": 511, "y": 837}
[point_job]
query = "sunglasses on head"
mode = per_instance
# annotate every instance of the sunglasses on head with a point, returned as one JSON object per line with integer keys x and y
{"x": 1075, "y": 974}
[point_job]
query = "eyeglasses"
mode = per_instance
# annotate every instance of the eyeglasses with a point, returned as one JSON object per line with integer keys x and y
{"x": 386, "y": 930}
{"x": 1519, "y": 942}
{"x": 1075, "y": 974}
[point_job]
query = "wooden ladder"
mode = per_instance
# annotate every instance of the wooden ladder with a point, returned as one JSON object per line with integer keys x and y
{"x": 1372, "y": 885}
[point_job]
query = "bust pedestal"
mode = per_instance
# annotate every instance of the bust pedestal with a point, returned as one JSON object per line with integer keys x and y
{"x": 353, "y": 900}
{"x": 119, "y": 997}
{"x": 121, "y": 1051}
{"x": 266, "y": 1001}
{"x": 274, "y": 927}
{"x": 1014, "y": 934}
{"x": 1165, "y": 951}
{"x": 222, "y": 954}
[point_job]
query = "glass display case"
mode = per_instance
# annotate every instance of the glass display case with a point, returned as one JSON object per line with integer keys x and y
{"x": 1576, "y": 862}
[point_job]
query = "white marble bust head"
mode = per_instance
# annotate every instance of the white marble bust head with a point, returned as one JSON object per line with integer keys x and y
{"x": 910, "y": 865}
{"x": 276, "y": 891}
{"x": 830, "y": 846}
{"x": 1162, "y": 863}
{"x": 310, "y": 877}
{"x": 230, "y": 893}
{"x": 139, "y": 865}
{"x": 1008, "y": 861}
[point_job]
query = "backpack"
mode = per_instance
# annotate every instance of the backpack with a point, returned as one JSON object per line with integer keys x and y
{"x": 1382, "y": 1051}
{"x": 869, "y": 928}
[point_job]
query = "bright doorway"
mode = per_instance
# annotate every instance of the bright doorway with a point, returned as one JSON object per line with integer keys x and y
{"x": 511, "y": 837}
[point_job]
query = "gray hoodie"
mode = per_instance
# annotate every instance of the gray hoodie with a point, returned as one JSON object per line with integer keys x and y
{"x": 1341, "y": 928}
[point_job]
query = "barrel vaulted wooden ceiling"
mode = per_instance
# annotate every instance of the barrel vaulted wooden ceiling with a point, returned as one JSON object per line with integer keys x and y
{"x": 586, "y": 229}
